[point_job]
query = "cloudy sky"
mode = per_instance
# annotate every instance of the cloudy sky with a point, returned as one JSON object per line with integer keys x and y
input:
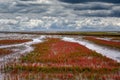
{"x": 62, "y": 15}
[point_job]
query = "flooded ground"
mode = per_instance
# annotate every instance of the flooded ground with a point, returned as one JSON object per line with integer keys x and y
{"x": 105, "y": 51}
{"x": 18, "y": 49}
{"x": 24, "y": 48}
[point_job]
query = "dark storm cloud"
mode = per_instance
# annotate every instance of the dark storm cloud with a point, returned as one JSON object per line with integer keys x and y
{"x": 95, "y": 9}
{"x": 56, "y": 8}
{"x": 82, "y": 1}
{"x": 90, "y": 6}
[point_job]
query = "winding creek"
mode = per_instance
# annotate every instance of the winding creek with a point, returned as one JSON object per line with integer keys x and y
{"x": 13, "y": 56}
{"x": 27, "y": 48}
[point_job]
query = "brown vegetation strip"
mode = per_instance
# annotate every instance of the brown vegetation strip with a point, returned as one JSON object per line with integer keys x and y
{"x": 5, "y": 42}
{"x": 111, "y": 44}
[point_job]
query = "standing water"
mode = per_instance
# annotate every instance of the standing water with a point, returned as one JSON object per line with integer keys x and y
{"x": 111, "y": 53}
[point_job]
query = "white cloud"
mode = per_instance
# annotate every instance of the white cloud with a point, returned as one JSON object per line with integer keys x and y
{"x": 83, "y": 23}
{"x": 32, "y": 23}
{"x": 7, "y": 21}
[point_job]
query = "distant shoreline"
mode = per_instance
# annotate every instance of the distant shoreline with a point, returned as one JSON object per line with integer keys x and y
{"x": 81, "y": 33}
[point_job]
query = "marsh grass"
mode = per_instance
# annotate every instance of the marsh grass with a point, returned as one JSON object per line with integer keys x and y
{"x": 70, "y": 58}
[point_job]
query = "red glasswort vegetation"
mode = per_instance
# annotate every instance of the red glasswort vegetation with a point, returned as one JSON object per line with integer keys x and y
{"x": 57, "y": 56}
{"x": 5, "y": 52}
{"x": 104, "y": 42}
{"x": 5, "y": 42}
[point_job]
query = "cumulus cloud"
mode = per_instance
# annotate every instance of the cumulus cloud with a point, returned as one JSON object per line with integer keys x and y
{"x": 51, "y": 23}
{"x": 59, "y": 14}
